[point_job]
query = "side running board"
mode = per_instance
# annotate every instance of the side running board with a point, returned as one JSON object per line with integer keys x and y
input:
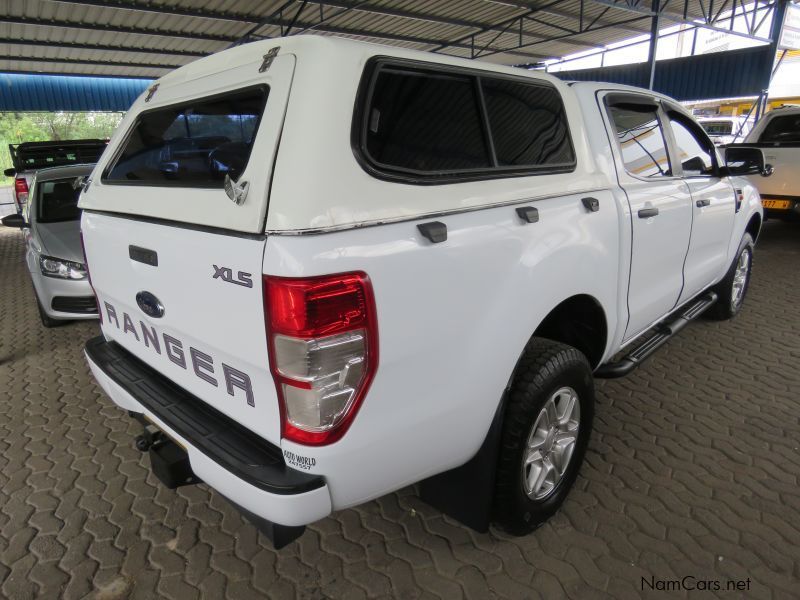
{"x": 660, "y": 334}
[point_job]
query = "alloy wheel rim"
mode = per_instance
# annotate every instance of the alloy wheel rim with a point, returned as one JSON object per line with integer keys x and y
{"x": 551, "y": 444}
{"x": 740, "y": 278}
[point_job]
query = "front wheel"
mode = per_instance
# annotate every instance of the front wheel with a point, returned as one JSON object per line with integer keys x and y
{"x": 733, "y": 287}
{"x": 548, "y": 418}
{"x": 46, "y": 320}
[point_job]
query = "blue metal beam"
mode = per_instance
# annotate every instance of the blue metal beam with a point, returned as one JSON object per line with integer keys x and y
{"x": 23, "y": 93}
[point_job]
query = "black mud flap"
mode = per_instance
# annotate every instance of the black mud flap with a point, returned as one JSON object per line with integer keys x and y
{"x": 170, "y": 463}
{"x": 466, "y": 493}
{"x": 279, "y": 535}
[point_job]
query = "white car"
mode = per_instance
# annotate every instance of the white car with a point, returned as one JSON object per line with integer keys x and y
{"x": 51, "y": 226}
{"x": 725, "y": 130}
{"x": 777, "y": 134}
{"x": 410, "y": 268}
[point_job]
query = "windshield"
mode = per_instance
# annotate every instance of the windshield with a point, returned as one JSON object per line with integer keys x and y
{"x": 717, "y": 127}
{"x": 193, "y": 144}
{"x": 782, "y": 130}
{"x": 58, "y": 201}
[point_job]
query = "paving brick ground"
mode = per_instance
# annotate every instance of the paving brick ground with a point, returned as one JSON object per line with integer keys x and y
{"x": 692, "y": 470}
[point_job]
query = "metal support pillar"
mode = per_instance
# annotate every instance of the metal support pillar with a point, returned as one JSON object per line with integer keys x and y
{"x": 778, "y": 15}
{"x": 651, "y": 55}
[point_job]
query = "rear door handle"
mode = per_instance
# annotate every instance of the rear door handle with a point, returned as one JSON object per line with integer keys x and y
{"x": 702, "y": 203}
{"x": 646, "y": 213}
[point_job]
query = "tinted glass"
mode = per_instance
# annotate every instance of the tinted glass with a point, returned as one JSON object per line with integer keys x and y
{"x": 641, "y": 140}
{"x": 425, "y": 122}
{"x": 718, "y": 127}
{"x": 40, "y": 155}
{"x": 784, "y": 129}
{"x": 58, "y": 201}
{"x": 192, "y": 144}
{"x": 693, "y": 151}
{"x": 529, "y": 127}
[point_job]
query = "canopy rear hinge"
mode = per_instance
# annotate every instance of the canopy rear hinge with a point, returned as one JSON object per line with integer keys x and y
{"x": 268, "y": 58}
{"x": 151, "y": 91}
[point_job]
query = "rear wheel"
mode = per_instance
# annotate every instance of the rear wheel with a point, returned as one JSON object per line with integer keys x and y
{"x": 732, "y": 290}
{"x": 546, "y": 429}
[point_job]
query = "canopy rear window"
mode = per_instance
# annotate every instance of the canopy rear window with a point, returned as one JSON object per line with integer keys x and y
{"x": 192, "y": 144}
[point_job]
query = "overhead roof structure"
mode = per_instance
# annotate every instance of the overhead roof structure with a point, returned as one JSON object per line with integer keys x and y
{"x": 148, "y": 38}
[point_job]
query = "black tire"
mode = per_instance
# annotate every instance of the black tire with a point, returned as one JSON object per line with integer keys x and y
{"x": 47, "y": 321}
{"x": 546, "y": 367}
{"x": 726, "y": 307}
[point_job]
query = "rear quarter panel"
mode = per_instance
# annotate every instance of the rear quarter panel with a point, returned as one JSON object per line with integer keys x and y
{"x": 453, "y": 319}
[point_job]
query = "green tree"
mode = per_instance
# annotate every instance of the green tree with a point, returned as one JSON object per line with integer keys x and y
{"x": 16, "y": 128}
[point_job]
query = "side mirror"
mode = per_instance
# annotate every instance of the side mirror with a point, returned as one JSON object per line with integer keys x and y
{"x": 10, "y": 172}
{"x": 15, "y": 221}
{"x": 746, "y": 160}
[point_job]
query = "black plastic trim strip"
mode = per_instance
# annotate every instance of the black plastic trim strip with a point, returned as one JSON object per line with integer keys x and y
{"x": 235, "y": 448}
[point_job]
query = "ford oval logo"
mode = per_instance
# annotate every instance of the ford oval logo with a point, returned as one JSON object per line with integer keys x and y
{"x": 150, "y": 305}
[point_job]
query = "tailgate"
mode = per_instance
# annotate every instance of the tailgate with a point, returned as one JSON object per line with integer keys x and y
{"x": 210, "y": 339}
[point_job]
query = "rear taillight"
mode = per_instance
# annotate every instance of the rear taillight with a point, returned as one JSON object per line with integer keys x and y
{"x": 89, "y": 277}
{"x": 21, "y": 189}
{"x": 323, "y": 345}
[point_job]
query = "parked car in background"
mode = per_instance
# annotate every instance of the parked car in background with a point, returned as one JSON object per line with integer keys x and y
{"x": 424, "y": 293}
{"x": 51, "y": 224}
{"x": 29, "y": 157}
{"x": 777, "y": 134}
{"x": 725, "y": 130}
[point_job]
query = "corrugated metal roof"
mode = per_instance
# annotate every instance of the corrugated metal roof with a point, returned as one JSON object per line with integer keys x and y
{"x": 53, "y": 93}
{"x": 147, "y": 38}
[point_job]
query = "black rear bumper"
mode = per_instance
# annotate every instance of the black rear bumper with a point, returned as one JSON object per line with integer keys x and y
{"x": 226, "y": 442}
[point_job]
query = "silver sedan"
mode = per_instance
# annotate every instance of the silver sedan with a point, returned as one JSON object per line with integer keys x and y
{"x": 51, "y": 226}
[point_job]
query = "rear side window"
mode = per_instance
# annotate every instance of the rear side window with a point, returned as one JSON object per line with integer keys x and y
{"x": 420, "y": 124}
{"x": 782, "y": 130}
{"x": 641, "y": 140}
{"x": 193, "y": 144}
{"x": 528, "y": 124}
{"x": 58, "y": 201}
{"x": 426, "y": 123}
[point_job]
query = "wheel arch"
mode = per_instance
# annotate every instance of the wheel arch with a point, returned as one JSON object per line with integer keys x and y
{"x": 578, "y": 321}
{"x": 754, "y": 226}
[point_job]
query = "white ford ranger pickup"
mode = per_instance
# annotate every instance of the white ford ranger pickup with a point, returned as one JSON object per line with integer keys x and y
{"x": 327, "y": 270}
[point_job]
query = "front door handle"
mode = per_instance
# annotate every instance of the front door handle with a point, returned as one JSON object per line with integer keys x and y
{"x": 703, "y": 202}
{"x": 646, "y": 213}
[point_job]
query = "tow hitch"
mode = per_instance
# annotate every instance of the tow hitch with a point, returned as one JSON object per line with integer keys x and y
{"x": 170, "y": 463}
